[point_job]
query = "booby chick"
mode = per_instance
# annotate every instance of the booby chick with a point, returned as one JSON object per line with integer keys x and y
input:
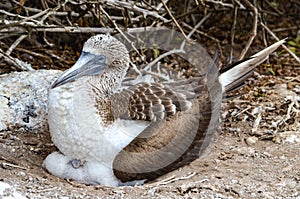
{"x": 93, "y": 119}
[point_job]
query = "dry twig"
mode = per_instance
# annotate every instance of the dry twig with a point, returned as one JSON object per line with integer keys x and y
{"x": 253, "y": 31}
{"x": 233, "y": 33}
{"x": 161, "y": 57}
{"x": 134, "y": 7}
{"x": 6, "y": 164}
{"x": 284, "y": 46}
{"x": 174, "y": 20}
{"x": 220, "y": 3}
{"x": 173, "y": 179}
{"x": 119, "y": 30}
{"x": 15, "y": 44}
{"x": 15, "y": 62}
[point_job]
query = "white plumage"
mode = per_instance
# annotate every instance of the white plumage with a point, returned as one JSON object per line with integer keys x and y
{"x": 82, "y": 124}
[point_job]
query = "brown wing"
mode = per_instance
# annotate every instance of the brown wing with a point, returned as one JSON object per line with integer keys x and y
{"x": 175, "y": 137}
{"x": 154, "y": 101}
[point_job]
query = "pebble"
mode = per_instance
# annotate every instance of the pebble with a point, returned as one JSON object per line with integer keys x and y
{"x": 251, "y": 140}
{"x": 8, "y": 192}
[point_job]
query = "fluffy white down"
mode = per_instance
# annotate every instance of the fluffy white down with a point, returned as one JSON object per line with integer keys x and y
{"x": 92, "y": 172}
{"x": 78, "y": 133}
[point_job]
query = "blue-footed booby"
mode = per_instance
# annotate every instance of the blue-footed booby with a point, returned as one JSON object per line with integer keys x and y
{"x": 108, "y": 134}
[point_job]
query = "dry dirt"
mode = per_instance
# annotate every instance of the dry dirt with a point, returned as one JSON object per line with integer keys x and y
{"x": 257, "y": 155}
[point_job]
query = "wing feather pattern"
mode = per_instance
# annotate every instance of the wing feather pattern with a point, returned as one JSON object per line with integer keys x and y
{"x": 154, "y": 101}
{"x": 180, "y": 114}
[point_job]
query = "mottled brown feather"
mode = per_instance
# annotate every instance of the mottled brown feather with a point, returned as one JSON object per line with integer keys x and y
{"x": 152, "y": 101}
{"x": 166, "y": 128}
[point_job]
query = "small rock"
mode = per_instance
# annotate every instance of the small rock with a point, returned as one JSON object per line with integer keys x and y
{"x": 23, "y": 100}
{"x": 277, "y": 140}
{"x": 8, "y": 192}
{"x": 251, "y": 140}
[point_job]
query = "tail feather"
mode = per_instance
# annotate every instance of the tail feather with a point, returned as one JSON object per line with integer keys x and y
{"x": 228, "y": 67}
{"x": 238, "y": 84}
{"x": 236, "y": 74}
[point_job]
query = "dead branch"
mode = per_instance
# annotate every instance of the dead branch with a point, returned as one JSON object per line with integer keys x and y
{"x": 174, "y": 20}
{"x": 133, "y": 6}
{"x": 284, "y": 46}
{"x": 208, "y": 36}
{"x": 253, "y": 31}
{"x": 198, "y": 25}
{"x": 119, "y": 30}
{"x": 15, "y": 62}
{"x": 232, "y": 33}
{"x": 15, "y": 44}
{"x": 52, "y": 28}
{"x": 161, "y": 57}
{"x": 174, "y": 179}
{"x": 221, "y": 3}
{"x": 41, "y": 19}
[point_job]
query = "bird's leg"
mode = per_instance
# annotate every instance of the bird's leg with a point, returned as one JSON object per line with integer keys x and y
{"x": 60, "y": 165}
{"x": 132, "y": 183}
{"x": 77, "y": 163}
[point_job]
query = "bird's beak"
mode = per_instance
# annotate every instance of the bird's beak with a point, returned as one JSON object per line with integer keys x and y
{"x": 87, "y": 64}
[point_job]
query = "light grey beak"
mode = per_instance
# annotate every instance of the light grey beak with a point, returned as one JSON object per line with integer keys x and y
{"x": 87, "y": 64}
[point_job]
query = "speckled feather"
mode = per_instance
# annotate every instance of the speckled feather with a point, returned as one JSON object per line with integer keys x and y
{"x": 168, "y": 134}
{"x": 153, "y": 101}
{"x": 94, "y": 119}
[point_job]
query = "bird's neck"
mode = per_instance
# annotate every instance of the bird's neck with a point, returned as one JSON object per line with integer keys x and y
{"x": 108, "y": 82}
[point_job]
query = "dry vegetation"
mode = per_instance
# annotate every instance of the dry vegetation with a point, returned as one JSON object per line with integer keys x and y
{"x": 251, "y": 158}
{"x": 49, "y": 34}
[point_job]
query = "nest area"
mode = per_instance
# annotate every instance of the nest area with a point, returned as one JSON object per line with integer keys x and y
{"x": 49, "y": 34}
{"x": 257, "y": 153}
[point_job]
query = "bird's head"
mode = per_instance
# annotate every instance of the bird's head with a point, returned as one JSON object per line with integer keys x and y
{"x": 99, "y": 53}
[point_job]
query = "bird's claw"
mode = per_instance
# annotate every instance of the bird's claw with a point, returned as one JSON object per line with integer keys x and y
{"x": 132, "y": 183}
{"x": 77, "y": 163}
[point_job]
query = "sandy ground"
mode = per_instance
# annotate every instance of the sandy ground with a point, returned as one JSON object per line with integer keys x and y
{"x": 257, "y": 155}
